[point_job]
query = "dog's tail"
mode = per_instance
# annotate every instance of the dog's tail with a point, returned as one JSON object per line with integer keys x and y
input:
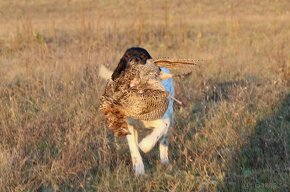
{"x": 104, "y": 72}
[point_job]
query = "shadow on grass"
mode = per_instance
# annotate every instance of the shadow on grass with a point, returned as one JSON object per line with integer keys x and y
{"x": 263, "y": 163}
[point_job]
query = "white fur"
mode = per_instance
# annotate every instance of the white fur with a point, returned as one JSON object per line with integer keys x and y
{"x": 161, "y": 129}
{"x": 163, "y": 153}
{"x": 104, "y": 72}
{"x": 135, "y": 154}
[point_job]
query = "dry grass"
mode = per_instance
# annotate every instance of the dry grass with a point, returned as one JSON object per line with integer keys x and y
{"x": 232, "y": 135}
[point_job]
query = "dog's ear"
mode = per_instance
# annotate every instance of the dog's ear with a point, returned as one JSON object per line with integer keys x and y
{"x": 121, "y": 67}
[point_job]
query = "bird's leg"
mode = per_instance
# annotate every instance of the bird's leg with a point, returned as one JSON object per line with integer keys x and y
{"x": 135, "y": 154}
{"x": 160, "y": 128}
{"x": 176, "y": 100}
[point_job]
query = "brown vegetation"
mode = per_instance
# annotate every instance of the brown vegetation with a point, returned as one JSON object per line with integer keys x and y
{"x": 232, "y": 134}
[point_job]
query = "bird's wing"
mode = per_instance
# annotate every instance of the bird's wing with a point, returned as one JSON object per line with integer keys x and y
{"x": 146, "y": 105}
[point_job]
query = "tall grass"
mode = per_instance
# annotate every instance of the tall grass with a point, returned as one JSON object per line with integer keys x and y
{"x": 232, "y": 134}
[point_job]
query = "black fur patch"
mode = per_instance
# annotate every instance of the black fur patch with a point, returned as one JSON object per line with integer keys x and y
{"x": 133, "y": 53}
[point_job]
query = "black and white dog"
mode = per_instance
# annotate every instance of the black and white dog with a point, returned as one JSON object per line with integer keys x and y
{"x": 161, "y": 127}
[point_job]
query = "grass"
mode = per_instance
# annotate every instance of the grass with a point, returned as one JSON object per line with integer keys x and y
{"x": 233, "y": 134}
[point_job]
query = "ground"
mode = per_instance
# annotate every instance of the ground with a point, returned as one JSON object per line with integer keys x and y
{"x": 232, "y": 134}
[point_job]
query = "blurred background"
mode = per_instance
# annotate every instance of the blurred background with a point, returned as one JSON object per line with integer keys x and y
{"x": 232, "y": 134}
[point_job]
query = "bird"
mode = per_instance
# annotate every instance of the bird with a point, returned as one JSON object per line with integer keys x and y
{"x": 139, "y": 84}
{"x": 140, "y": 93}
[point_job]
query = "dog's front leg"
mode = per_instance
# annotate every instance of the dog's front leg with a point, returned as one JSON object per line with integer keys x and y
{"x": 134, "y": 150}
{"x": 160, "y": 129}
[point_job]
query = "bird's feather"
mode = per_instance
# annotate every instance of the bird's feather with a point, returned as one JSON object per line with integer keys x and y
{"x": 136, "y": 93}
{"x": 177, "y": 66}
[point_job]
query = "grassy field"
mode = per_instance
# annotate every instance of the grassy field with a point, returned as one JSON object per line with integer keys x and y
{"x": 232, "y": 134}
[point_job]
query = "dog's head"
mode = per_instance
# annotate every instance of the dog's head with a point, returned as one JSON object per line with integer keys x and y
{"x": 132, "y": 55}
